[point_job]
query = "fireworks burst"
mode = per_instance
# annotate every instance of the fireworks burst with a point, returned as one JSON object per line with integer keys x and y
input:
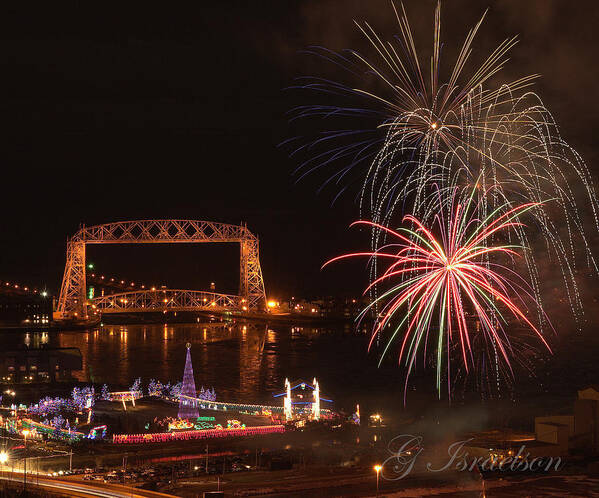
{"x": 404, "y": 134}
{"x": 460, "y": 282}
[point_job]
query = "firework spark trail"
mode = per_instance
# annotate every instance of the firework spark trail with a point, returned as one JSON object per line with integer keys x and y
{"x": 418, "y": 134}
{"x": 439, "y": 281}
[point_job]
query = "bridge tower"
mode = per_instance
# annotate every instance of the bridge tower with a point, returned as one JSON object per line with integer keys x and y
{"x": 72, "y": 299}
{"x": 251, "y": 284}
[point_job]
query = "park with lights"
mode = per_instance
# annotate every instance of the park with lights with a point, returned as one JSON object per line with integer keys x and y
{"x": 53, "y": 432}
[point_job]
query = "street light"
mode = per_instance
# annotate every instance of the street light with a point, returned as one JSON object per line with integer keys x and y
{"x": 25, "y": 434}
{"x": 3, "y": 460}
{"x": 377, "y": 469}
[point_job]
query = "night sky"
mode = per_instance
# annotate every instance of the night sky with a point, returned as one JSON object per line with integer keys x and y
{"x": 117, "y": 111}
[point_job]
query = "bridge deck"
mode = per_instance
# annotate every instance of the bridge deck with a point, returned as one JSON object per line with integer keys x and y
{"x": 146, "y": 301}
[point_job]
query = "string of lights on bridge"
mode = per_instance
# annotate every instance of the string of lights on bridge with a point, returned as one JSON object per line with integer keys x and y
{"x": 102, "y": 279}
{"x": 8, "y": 286}
{"x": 112, "y": 281}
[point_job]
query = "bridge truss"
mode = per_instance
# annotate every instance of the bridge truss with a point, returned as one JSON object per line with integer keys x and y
{"x": 166, "y": 300}
{"x": 72, "y": 302}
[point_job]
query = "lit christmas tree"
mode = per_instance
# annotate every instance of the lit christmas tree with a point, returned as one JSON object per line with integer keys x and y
{"x": 137, "y": 388}
{"x": 187, "y": 407}
{"x": 155, "y": 388}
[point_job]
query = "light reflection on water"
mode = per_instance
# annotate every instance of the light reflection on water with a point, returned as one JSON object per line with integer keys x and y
{"x": 242, "y": 361}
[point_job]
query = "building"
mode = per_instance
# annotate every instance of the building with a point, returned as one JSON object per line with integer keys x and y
{"x": 336, "y": 308}
{"x": 39, "y": 364}
{"x": 25, "y": 310}
{"x": 579, "y": 431}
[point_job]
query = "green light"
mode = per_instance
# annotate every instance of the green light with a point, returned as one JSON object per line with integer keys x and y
{"x": 90, "y": 266}
{"x": 90, "y": 293}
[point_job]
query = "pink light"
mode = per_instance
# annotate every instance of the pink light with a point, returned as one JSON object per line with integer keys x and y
{"x": 163, "y": 437}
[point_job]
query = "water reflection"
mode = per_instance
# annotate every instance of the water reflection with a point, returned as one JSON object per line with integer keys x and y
{"x": 242, "y": 361}
{"x": 237, "y": 359}
{"x": 27, "y": 339}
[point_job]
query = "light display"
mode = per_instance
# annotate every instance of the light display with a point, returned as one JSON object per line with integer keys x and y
{"x": 316, "y": 402}
{"x": 237, "y": 407}
{"x": 48, "y": 405}
{"x": 165, "y": 437}
{"x": 124, "y": 396}
{"x": 137, "y": 388}
{"x": 207, "y": 394}
{"x": 264, "y": 410}
{"x": 179, "y": 424}
{"x": 174, "y": 391}
{"x": 235, "y": 424}
{"x": 97, "y": 432}
{"x": 203, "y": 425}
{"x": 287, "y": 401}
{"x": 302, "y": 400}
{"x": 58, "y": 422}
{"x": 355, "y": 418}
{"x": 68, "y": 435}
{"x": 83, "y": 398}
{"x": 155, "y": 388}
{"x": 188, "y": 408}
